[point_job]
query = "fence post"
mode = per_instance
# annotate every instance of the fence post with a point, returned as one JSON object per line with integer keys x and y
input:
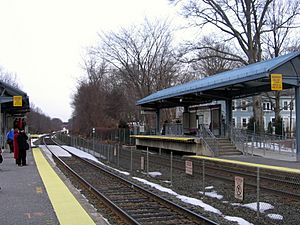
{"x": 118, "y": 156}
{"x": 203, "y": 177}
{"x": 101, "y": 151}
{"x": 124, "y": 135}
{"x": 279, "y": 145}
{"x": 147, "y": 161}
{"x": 107, "y": 153}
{"x": 171, "y": 169}
{"x": 131, "y": 159}
{"x": 252, "y": 145}
{"x": 257, "y": 192}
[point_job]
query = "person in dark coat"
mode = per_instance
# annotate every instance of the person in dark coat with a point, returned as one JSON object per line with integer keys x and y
{"x": 16, "y": 145}
{"x": 23, "y": 147}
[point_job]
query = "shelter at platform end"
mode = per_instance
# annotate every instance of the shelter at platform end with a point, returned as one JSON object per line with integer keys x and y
{"x": 238, "y": 83}
{"x": 14, "y": 103}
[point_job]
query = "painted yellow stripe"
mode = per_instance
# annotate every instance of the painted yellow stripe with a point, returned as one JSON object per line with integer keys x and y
{"x": 157, "y": 137}
{"x": 66, "y": 207}
{"x": 278, "y": 168}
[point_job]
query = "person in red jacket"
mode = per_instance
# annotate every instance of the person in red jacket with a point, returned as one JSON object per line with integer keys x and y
{"x": 16, "y": 147}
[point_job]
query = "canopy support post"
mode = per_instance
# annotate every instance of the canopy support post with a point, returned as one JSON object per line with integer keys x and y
{"x": 297, "y": 96}
{"x": 228, "y": 117}
{"x": 157, "y": 121}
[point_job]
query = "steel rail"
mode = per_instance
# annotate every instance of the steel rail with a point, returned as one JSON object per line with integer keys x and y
{"x": 237, "y": 172}
{"x": 179, "y": 209}
{"x": 117, "y": 210}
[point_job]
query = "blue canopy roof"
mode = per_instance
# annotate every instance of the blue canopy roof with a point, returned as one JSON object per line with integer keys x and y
{"x": 245, "y": 81}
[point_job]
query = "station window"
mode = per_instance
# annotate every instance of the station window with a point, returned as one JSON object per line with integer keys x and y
{"x": 233, "y": 105}
{"x": 244, "y": 122}
{"x": 273, "y": 121}
{"x": 267, "y": 106}
{"x": 285, "y": 105}
{"x": 244, "y": 105}
{"x": 233, "y": 122}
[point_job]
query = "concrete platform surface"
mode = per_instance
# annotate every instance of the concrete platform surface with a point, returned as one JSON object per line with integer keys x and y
{"x": 23, "y": 198}
{"x": 40, "y": 194}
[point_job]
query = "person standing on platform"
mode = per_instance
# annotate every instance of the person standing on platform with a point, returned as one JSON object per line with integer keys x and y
{"x": 10, "y": 140}
{"x": 23, "y": 147}
{"x": 16, "y": 145}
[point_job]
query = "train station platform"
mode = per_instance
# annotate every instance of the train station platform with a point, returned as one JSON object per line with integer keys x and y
{"x": 36, "y": 194}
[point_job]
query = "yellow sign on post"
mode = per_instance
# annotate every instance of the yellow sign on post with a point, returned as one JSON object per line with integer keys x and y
{"x": 17, "y": 101}
{"x": 276, "y": 82}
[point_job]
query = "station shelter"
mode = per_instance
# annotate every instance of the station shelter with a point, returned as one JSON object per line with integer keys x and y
{"x": 14, "y": 104}
{"x": 276, "y": 74}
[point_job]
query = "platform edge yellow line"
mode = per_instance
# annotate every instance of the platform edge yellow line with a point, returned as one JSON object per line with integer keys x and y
{"x": 157, "y": 137}
{"x": 66, "y": 207}
{"x": 278, "y": 168}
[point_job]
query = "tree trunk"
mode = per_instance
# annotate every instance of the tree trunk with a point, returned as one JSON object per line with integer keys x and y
{"x": 258, "y": 113}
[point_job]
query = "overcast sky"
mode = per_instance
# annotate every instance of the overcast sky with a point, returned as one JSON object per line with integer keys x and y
{"x": 43, "y": 42}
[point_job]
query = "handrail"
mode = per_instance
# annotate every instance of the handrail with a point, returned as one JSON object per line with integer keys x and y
{"x": 237, "y": 137}
{"x": 246, "y": 141}
{"x": 209, "y": 139}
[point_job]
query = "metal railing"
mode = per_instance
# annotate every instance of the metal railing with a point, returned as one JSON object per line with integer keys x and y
{"x": 249, "y": 142}
{"x": 209, "y": 139}
{"x": 237, "y": 137}
{"x": 174, "y": 129}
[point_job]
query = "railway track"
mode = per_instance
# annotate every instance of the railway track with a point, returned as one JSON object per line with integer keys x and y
{"x": 132, "y": 204}
{"x": 272, "y": 181}
{"x": 279, "y": 189}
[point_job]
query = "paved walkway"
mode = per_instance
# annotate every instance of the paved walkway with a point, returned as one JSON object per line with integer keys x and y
{"x": 23, "y": 198}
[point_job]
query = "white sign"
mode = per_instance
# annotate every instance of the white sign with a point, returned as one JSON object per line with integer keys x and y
{"x": 142, "y": 129}
{"x": 189, "y": 167}
{"x": 239, "y": 187}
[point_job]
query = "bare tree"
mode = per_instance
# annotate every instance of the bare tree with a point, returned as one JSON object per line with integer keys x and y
{"x": 141, "y": 60}
{"x": 208, "y": 57}
{"x": 39, "y": 123}
{"x": 8, "y": 78}
{"x": 143, "y": 55}
{"x": 243, "y": 23}
{"x": 99, "y": 100}
{"x": 88, "y": 105}
{"x": 281, "y": 22}
{"x": 56, "y": 124}
{"x": 280, "y": 40}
